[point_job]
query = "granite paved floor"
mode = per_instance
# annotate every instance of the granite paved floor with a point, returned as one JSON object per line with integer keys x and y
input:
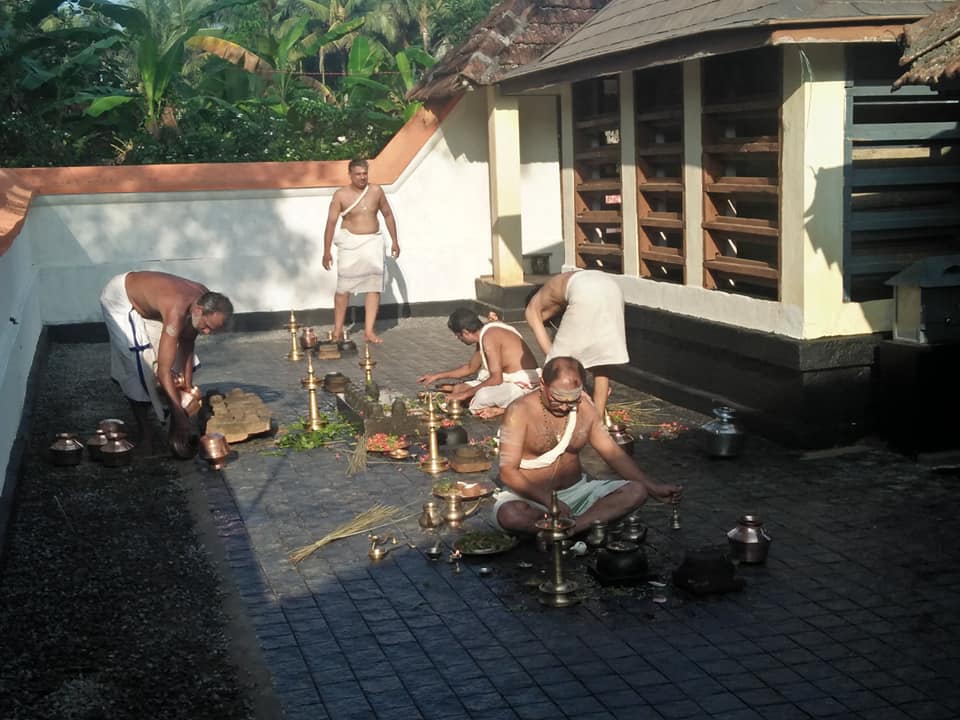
{"x": 855, "y": 614}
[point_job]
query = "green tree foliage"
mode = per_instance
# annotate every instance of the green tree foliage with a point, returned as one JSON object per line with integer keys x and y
{"x": 141, "y": 81}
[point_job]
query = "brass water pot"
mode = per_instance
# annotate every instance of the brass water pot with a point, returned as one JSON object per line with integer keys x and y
{"x": 66, "y": 450}
{"x": 431, "y": 517}
{"x": 453, "y": 512}
{"x": 117, "y": 451}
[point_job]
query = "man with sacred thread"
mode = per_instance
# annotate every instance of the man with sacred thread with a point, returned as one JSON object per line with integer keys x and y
{"x": 502, "y": 362}
{"x": 359, "y": 246}
{"x": 540, "y": 443}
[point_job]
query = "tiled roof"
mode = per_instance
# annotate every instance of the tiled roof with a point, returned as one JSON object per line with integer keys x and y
{"x": 515, "y": 33}
{"x": 931, "y": 47}
{"x": 629, "y": 25}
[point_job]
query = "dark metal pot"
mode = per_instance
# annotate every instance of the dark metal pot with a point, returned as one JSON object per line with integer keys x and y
{"x": 66, "y": 450}
{"x": 621, "y": 559}
{"x": 95, "y": 443}
{"x": 455, "y": 435}
{"x": 117, "y": 451}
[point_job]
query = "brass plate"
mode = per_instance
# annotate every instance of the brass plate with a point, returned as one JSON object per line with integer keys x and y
{"x": 481, "y": 489}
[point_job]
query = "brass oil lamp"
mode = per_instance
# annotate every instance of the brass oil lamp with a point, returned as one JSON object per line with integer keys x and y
{"x": 557, "y": 592}
{"x": 311, "y": 384}
{"x": 434, "y": 463}
{"x": 292, "y": 326}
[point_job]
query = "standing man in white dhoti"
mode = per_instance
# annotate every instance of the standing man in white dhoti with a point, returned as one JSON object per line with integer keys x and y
{"x": 153, "y": 319}
{"x": 591, "y": 330}
{"x": 503, "y": 363}
{"x": 540, "y": 443}
{"x": 359, "y": 246}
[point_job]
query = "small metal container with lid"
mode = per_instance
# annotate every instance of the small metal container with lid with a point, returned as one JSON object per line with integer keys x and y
{"x": 749, "y": 541}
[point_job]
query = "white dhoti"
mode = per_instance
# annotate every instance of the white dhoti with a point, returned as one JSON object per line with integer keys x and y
{"x": 133, "y": 346}
{"x": 359, "y": 262}
{"x": 515, "y": 385}
{"x": 592, "y": 328}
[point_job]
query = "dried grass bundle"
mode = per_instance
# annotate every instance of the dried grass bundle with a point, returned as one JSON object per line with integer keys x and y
{"x": 377, "y": 516}
{"x": 358, "y": 461}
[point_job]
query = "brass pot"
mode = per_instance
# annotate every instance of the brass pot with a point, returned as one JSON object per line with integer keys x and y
{"x": 95, "y": 443}
{"x": 117, "y": 451}
{"x": 431, "y": 516}
{"x": 214, "y": 449}
{"x": 191, "y": 400}
{"x": 66, "y": 450}
{"x": 622, "y": 437}
{"x": 308, "y": 338}
{"x": 453, "y": 512}
{"x": 113, "y": 425}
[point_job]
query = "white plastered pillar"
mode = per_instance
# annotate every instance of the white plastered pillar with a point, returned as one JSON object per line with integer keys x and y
{"x": 567, "y": 181}
{"x": 692, "y": 175}
{"x": 630, "y": 231}
{"x": 503, "y": 144}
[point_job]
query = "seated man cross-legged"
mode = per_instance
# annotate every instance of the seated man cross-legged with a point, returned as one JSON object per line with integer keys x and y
{"x": 540, "y": 443}
{"x": 503, "y": 363}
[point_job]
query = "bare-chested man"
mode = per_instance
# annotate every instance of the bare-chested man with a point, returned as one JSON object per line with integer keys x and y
{"x": 503, "y": 363}
{"x": 592, "y": 328}
{"x": 153, "y": 319}
{"x": 540, "y": 443}
{"x": 359, "y": 246}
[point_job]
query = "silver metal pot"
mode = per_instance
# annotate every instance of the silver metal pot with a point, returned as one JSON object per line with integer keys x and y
{"x": 723, "y": 436}
{"x": 749, "y": 541}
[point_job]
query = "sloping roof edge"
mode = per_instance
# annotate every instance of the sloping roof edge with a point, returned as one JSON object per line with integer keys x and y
{"x": 931, "y": 48}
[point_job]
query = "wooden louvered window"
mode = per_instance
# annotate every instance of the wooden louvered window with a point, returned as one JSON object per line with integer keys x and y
{"x": 742, "y": 95}
{"x": 596, "y": 166}
{"x": 659, "y": 126}
{"x": 902, "y": 173}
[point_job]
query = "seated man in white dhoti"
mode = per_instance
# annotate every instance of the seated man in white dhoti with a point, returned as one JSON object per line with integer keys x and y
{"x": 591, "y": 330}
{"x": 503, "y": 364}
{"x": 540, "y": 443}
{"x": 359, "y": 246}
{"x": 153, "y": 320}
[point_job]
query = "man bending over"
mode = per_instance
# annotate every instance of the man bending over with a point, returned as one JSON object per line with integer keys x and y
{"x": 153, "y": 319}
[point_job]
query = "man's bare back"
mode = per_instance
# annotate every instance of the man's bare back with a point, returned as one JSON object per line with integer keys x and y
{"x": 164, "y": 297}
{"x": 512, "y": 352}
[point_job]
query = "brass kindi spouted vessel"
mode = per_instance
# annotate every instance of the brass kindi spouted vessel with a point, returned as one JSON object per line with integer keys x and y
{"x": 434, "y": 463}
{"x": 557, "y": 592}
{"x": 311, "y": 384}
{"x": 292, "y": 326}
{"x": 453, "y": 513}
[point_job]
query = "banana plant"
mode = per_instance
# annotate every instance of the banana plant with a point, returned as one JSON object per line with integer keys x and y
{"x": 158, "y": 55}
{"x": 381, "y": 80}
{"x": 279, "y": 56}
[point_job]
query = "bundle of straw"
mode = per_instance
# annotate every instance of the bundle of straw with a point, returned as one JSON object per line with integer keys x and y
{"x": 377, "y": 516}
{"x": 358, "y": 461}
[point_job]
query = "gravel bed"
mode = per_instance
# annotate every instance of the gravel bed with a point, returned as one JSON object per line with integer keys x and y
{"x": 110, "y": 607}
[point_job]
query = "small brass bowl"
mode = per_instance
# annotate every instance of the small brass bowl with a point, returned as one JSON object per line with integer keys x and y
{"x": 399, "y": 454}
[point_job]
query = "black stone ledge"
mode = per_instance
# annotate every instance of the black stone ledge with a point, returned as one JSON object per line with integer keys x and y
{"x": 19, "y": 447}
{"x": 802, "y": 393}
{"x": 508, "y": 301}
{"x": 96, "y": 332}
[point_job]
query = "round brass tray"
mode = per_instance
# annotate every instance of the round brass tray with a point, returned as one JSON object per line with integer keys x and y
{"x": 482, "y": 489}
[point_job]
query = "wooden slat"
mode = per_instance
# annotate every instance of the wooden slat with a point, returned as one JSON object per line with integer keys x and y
{"x": 667, "y": 223}
{"x": 764, "y": 103}
{"x": 599, "y": 249}
{"x": 929, "y": 175}
{"x": 745, "y": 186}
{"x": 668, "y": 113}
{"x": 600, "y": 217}
{"x": 610, "y": 121}
{"x": 667, "y": 256}
{"x": 905, "y": 132}
{"x": 599, "y": 185}
{"x": 743, "y": 268}
{"x": 903, "y": 219}
{"x": 762, "y": 144}
{"x": 743, "y": 226}
{"x": 661, "y": 185}
{"x": 611, "y": 152}
{"x": 659, "y": 149}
